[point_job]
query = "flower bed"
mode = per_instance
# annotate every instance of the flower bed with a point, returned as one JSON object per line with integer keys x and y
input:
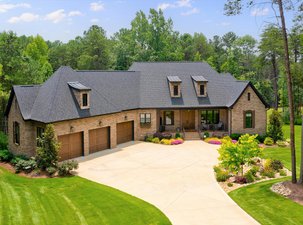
{"x": 165, "y": 139}
{"x": 216, "y": 141}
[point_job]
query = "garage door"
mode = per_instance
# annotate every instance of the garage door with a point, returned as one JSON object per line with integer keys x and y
{"x": 99, "y": 139}
{"x": 125, "y": 132}
{"x": 71, "y": 146}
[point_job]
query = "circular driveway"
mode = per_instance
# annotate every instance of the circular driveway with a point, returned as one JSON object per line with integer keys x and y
{"x": 179, "y": 180}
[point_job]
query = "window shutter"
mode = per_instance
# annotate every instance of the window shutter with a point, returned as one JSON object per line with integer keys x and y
{"x": 253, "y": 118}
{"x": 244, "y": 119}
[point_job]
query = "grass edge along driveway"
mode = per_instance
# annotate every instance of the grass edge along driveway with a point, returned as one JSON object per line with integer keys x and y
{"x": 71, "y": 200}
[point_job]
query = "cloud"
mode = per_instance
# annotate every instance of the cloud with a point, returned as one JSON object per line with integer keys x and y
{"x": 56, "y": 16}
{"x": 75, "y": 13}
{"x": 260, "y": 12}
{"x": 94, "y": 20}
{"x": 6, "y": 7}
{"x": 96, "y": 6}
{"x": 24, "y": 17}
{"x": 190, "y": 12}
{"x": 176, "y": 4}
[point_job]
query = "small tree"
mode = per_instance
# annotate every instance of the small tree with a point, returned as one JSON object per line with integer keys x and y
{"x": 47, "y": 154}
{"x": 235, "y": 156}
{"x": 275, "y": 126}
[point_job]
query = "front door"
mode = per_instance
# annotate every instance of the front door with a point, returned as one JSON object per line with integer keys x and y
{"x": 188, "y": 119}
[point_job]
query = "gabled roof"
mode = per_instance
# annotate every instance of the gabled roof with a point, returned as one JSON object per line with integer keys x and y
{"x": 143, "y": 86}
{"x": 199, "y": 79}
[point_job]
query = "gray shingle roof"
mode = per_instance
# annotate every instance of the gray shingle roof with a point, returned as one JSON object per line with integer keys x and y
{"x": 143, "y": 86}
{"x": 78, "y": 86}
{"x": 174, "y": 79}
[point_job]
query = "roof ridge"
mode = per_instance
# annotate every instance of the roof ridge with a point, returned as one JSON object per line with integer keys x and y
{"x": 132, "y": 71}
{"x": 170, "y": 62}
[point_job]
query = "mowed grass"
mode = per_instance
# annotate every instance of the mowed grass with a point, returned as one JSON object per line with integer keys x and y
{"x": 266, "y": 206}
{"x": 283, "y": 154}
{"x": 71, "y": 200}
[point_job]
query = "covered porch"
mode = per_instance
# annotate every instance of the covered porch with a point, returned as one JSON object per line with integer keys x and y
{"x": 212, "y": 120}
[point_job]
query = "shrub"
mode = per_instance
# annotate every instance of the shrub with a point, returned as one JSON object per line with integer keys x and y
{"x": 254, "y": 170}
{"x": 276, "y": 165}
{"x": 3, "y": 141}
{"x": 165, "y": 141}
{"x": 235, "y": 136}
{"x": 177, "y": 135}
{"x": 268, "y": 141}
{"x": 51, "y": 170}
{"x": 240, "y": 180}
{"x": 275, "y": 126}
{"x": 230, "y": 184}
{"x": 282, "y": 172}
{"x": 222, "y": 175}
{"x": 149, "y": 139}
{"x": 206, "y": 134}
{"x": 65, "y": 168}
{"x": 217, "y": 169}
{"x": 155, "y": 140}
{"x": 25, "y": 165}
{"x": 176, "y": 141}
{"x": 158, "y": 135}
{"x": 268, "y": 173}
{"x": 5, "y": 156}
{"x": 166, "y": 135}
{"x": 249, "y": 177}
{"x": 261, "y": 138}
{"x": 281, "y": 143}
{"x": 16, "y": 159}
{"x": 235, "y": 156}
{"x": 47, "y": 154}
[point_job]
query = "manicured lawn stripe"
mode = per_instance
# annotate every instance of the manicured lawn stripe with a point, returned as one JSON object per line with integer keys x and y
{"x": 71, "y": 200}
{"x": 268, "y": 207}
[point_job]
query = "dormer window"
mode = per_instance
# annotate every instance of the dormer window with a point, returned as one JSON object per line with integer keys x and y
{"x": 81, "y": 93}
{"x": 174, "y": 86}
{"x": 200, "y": 84}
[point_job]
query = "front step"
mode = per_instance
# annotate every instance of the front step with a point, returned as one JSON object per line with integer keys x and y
{"x": 192, "y": 135}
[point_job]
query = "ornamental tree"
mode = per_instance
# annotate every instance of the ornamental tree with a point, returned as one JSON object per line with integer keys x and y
{"x": 235, "y": 155}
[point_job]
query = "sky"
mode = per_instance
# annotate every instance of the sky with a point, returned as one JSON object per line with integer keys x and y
{"x": 65, "y": 19}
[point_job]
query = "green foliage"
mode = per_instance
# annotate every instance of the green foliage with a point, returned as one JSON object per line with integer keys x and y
{"x": 5, "y": 156}
{"x": 165, "y": 141}
{"x": 149, "y": 139}
{"x": 3, "y": 141}
{"x": 206, "y": 134}
{"x": 282, "y": 172}
{"x": 26, "y": 166}
{"x": 222, "y": 175}
{"x": 281, "y": 144}
{"x": 235, "y": 156}
{"x": 249, "y": 177}
{"x": 230, "y": 184}
{"x": 275, "y": 126}
{"x": 268, "y": 141}
{"x": 17, "y": 158}
{"x": 261, "y": 138}
{"x": 217, "y": 169}
{"x": 235, "y": 136}
{"x": 156, "y": 140}
{"x": 177, "y": 135}
{"x": 51, "y": 170}
{"x": 65, "y": 168}
{"x": 47, "y": 154}
{"x": 276, "y": 164}
{"x": 254, "y": 170}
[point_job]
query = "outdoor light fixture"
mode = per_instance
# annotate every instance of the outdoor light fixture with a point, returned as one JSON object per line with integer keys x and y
{"x": 125, "y": 117}
{"x": 100, "y": 122}
{"x": 71, "y": 128}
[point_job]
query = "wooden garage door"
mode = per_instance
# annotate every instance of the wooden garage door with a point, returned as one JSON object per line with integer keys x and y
{"x": 125, "y": 132}
{"x": 99, "y": 139}
{"x": 71, "y": 146}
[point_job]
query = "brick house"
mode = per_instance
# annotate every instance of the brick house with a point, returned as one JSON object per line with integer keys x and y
{"x": 96, "y": 110}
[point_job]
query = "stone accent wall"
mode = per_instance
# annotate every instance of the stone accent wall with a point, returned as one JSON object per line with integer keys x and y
{"x": 28, "y": 132}
{"x": 256, "y": 105}
{"x": 86, "y": 124}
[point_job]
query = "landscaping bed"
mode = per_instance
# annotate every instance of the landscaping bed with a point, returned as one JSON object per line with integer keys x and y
{"x": 164, "y": 138}
{"x": 289, "y": 190}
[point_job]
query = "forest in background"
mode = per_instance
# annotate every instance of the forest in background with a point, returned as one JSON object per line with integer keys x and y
{"x": 31, "y": 60}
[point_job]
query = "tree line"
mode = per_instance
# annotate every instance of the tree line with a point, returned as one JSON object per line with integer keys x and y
{"x": 31, "y": 60}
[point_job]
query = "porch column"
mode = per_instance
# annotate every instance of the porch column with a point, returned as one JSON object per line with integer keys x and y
{"x": 229, "y": 121}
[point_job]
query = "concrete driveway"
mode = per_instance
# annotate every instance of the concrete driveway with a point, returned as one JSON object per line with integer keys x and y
{"x": 179, "y": 180}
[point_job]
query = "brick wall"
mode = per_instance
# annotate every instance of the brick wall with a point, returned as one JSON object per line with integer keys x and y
{"x": 256, "y": 105}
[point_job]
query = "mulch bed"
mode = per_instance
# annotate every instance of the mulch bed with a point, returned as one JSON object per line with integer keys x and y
{"x": 33, "y": 174}
{"x": 296, "y": 191}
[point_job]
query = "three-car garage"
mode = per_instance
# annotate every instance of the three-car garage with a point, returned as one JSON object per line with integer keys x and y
{"x": 72, "y": 145}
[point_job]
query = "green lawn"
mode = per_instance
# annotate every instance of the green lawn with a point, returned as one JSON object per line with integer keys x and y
{"x": 283, "y": 154}
{"x": 71, "y": 200}
{"x": 266, "y": 206}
